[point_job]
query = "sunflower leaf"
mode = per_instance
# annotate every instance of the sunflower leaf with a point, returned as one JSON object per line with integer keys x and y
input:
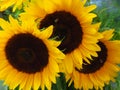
{"x": 2, "y": 87}
{"x": 60, "y": 83}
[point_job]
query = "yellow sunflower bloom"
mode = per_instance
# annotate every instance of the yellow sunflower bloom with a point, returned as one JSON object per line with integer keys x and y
{"x": 72, "y": 23}
{"x": 4, "y": 4}
{"x": 28, "y": 59}
{"x": 102, "y": 69}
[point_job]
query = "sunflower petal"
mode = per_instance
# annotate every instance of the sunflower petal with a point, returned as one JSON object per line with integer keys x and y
{"x": 37, "y": 81}
{"x": 68, "y": 63}
{"x": 108, "y": 34}
{"x": 29, "y": 82}
{"x": 47, "y": 32}
{"x": 90, "y": 8}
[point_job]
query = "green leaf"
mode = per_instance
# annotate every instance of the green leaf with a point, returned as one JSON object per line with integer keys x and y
{"x": 2, "y": 87}
{"x": 60, "y": 83}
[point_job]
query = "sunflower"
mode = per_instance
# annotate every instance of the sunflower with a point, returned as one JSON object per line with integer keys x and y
{"x": 102, "y": 69}
{"x": 4, "y": 4}
{"x": 72, "y": 23}
{"x": 28, "y": 58}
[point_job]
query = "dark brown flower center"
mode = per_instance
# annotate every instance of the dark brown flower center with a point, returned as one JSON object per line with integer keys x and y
{"x": 26, "y": 53}
{"x": 66, "y": 28}
{"x": 97, "y": 62}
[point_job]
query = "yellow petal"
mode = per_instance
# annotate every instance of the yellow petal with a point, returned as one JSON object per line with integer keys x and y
{"x": 108, "y": 34}
{"x": 4, "y": 23}
{"x": 15, "y": 26}
{"x": 84, "y": 1}
{"x": 93, "y": 79}
{"x": 29, "y": 82}
{"x": 104, "y": 73}
{"x": 4, "y": 35}
{"x": 85, "y": 78}
{"x": 53, "y": 65}
{"x": 87, "y": 18}
{"x": 77, "y": 79}
{"x": 37, "y": 80}
{"x": 3, "y": 73}
{"x": 52, "y": 75}
{"x": 49, "y": 6}
{"x": 90, "y": 8}
{"x": 56, "y": 53}
{"x": 66, "y": 3}
{"x": 18, "y": 79}
{"x": 112, "y": 66}
{"x": 18, "y": 3}
{"x": 68, "y": 63}
{"x": 88, "y": 30}
{"x": 45, "y": 79}
{"x": 47, "y": 32}
{"x": 55, "y": 43}
{"x": 89, "y": 39}
{"x": 96, "y": 26}
{"x": 85, "y": 52}
{"x": 93, "y": 47}
{"x": 78, "y": 58}
{"x": 3, "y": 64}
{"x": 23, "y": 83}
{"x": 10, "y": 77}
